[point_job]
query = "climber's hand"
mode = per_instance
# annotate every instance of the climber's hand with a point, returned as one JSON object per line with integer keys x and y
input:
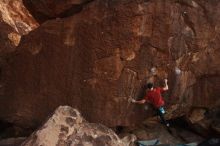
{"x": 165, "y": 80}
{"x": 133, "y": 101}
{"x": 165, "y": 88}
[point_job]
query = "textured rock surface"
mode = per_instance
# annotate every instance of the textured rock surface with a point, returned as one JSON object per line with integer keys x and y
{"x": 129, "y": 140}
{"x": 68, "y": 127}
{"x": 17, "y": 16}
{"x": 9, "y": 38}
{"x": 99, "y": 58}
{"x": 15, "y": 21}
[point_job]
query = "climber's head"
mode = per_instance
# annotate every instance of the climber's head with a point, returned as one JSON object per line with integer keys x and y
{"x": 150, "y": 86}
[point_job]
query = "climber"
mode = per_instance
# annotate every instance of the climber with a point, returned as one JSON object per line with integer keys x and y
{"x": 153, "y": 96}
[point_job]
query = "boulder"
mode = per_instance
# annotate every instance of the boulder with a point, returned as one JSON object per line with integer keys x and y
{"x": 129, "y": 140}
{"x": 68, "y": 127}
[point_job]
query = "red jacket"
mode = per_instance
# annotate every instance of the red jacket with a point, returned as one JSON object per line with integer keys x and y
{"x": 154, "y": 97}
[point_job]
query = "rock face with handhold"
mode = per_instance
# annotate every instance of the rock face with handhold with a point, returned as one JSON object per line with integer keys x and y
{"x": 68, "y": 127}
{"x": 9, "y": 39}
{"x": 96, "y": 60}
{"x": 15, "y": 21}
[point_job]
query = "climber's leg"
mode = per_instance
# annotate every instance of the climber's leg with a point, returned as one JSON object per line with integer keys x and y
{"x": 161, "y": 113}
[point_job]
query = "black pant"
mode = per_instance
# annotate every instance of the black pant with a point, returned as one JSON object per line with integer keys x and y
{"x": 161, "y": 115}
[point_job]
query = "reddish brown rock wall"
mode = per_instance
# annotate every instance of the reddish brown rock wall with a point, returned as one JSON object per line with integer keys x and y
{"x": 96, "y": 60}
{"x": 15, "y": 21}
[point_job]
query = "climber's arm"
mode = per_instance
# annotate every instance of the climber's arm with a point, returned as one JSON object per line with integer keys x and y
{"x": 139, "y": 101}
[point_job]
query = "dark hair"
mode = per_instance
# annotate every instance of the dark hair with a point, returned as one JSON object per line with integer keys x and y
{"x": 149, "y": 85}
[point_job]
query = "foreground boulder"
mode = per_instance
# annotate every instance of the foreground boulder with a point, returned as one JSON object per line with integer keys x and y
{"x": 68, "y": 127}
